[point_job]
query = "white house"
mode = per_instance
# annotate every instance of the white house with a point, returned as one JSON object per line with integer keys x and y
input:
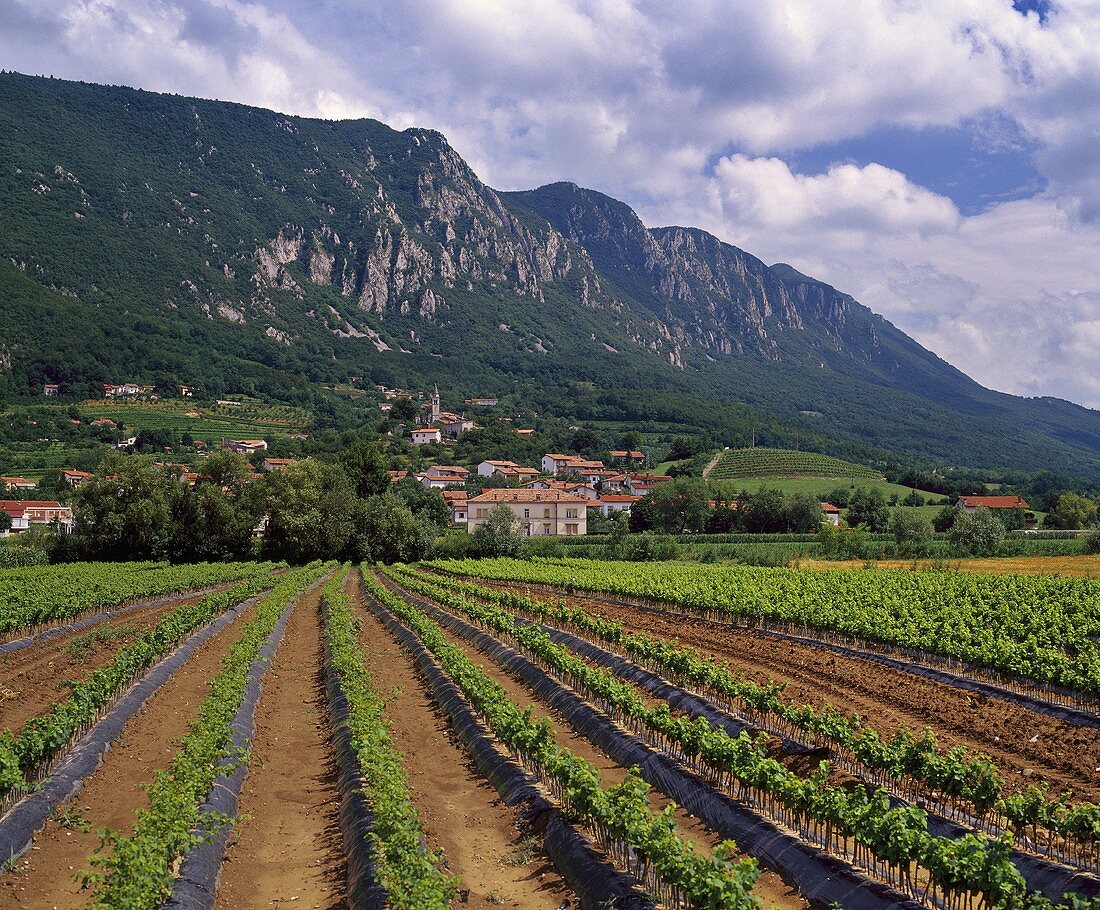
{"x": 832, "y": 514}
{"x": 489, "y": 467}
{"x": 424, "y": 435}
{"x": 245, "y": 446}
{"x": 617, "y": 502}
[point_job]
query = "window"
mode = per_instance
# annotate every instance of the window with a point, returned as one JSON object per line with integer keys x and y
{"x": 526, "y": 513}
{"x": 570, "y": 513}
{"x": 546, "y": 529}
{"x": 570, "y": 529}
{"x": 545, "y": 513}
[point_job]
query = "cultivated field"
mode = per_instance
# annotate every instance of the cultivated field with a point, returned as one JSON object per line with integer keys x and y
{"x": 548, "y": 734}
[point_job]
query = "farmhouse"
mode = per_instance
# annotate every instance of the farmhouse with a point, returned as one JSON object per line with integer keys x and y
{"x": 447, "y": 470}
{"x": 440, "y": 481}
{"x": 51, "y": 389}
{"x": 75, "y": 478}
{"x": 616, "y": 502}
{"x": 276, "y": 464}
{"x": 540, "y": 512}
{"x": 641, "y": 484}
{"x": 456, "y": 500}
{"x": 126, "y": 390}
{"x": 832, "y": 514}
{"x": 424, "y": 435}
{"x": 26, "y": 513}
{"x": 17, "y": 483}
{"x": 634, "y": 457}
{"x": 971, "y": 504}
{"x": 245, "y": 446}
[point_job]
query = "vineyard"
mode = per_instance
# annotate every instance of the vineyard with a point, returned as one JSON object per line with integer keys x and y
{"x": 545, "y": 734}
{"x": 246, "y": 420}
{"x": 733, "y": 464}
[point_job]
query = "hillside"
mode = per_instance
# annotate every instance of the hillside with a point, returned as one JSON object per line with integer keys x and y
{"x": 160, "y": 238}
{"x": 736, "y": 463}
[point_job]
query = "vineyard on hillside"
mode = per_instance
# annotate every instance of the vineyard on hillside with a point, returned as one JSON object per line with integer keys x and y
{"x": 736, "y": 463}
{"x": 546, "y": 734}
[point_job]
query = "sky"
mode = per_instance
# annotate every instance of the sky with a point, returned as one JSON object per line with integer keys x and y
{"x": 937, "y": 159}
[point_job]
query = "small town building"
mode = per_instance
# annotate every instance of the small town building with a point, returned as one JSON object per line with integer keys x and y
{"x": 450, "y": 470}
{"x": 832, "y": 514}
{"x": 245, "y": 446}
{"x": 424, "y": 435}
{"x": 26, "y": 513}
{"x": 17, "y": 483}
{"x": 457, "y": 502}
{"x": 276, "y": 464}
{"x": 633, "y": 457}
{"x": 75, "y": 478}
{"x": 971, "y": 504}
{"x": 51, "y": 390}
{"x": 540, "y": 512}
{"x": 125, "y": 390}
{"x": 616, "y": 502}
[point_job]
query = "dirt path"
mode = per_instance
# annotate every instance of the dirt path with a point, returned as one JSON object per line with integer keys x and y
{"x": 289, "y": 847}
{"x": 1026, "y": 746}
{"x": 770, "y": 888}
{"x": 43, "y": 879}
{"x": 32, "y": 679}
{"x": 462, "y": 813}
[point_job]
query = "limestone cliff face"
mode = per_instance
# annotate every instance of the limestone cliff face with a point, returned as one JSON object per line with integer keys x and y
{"x": 699, "y": 291}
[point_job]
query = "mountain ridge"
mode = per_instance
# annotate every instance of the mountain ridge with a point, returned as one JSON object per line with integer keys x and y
{"x": 290, "y": 250}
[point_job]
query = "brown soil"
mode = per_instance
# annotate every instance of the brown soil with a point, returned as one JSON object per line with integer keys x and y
{"x": 43, "y": 878}
{"x": 1027, "y": 746}
{"x": 770, "y": 887}
{"x": 32, "y": 679}
{"x": 288, "y": 847}
{"x": 1069, "y": 566}
{"x": 462, "y": 813}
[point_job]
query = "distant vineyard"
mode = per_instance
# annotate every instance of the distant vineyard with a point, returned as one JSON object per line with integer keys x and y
{"x": 202, "y": 422}
{"x": 735, "y": 463}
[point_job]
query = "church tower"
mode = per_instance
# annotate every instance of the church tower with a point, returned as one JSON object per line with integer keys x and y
{"x": 435, "y": 405}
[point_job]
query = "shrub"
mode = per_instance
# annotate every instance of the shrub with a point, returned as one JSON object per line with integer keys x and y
{"x": 977, "y": 534}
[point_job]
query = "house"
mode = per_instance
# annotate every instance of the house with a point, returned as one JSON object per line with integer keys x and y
{"x": 423, "y": 435}
{"x": 971, "y": 504}
{"x": 524, "y": 432}
{"x": 51, "y": 389}
{"x": 17, "y": 483}
{"x": 276, "y": 464}
{"x": 616, "y": 502}
{"x": 442, "y": 481}
{"x": 456, "y": 501}
{"x": 489, "y": 467}
{"x": 245, "y": 446}
{"x": 398, "y": 476}
{"x": 75, "y": 478}
{"x": 832, "y": 514}
{"x": 634, "y": 457}
{"x": 187, "y": 391}
{"x": 482, "y": 402}
{"x": 126, "y": 390}
{"x": 540, "y": 512}
{"x": 516, "y": 472}
{"x": 437, "y": 470}
{"x": 454, "y": 425}
{"x": 127, "y": 443}
{"x": 641, "y": 484}
{"x": 28, "y": 512}
{"x": 572, "y": 487}
{"x": 556, "y": 464}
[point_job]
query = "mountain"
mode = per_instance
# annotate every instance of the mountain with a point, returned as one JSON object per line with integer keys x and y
{"x": 159, "y": 237}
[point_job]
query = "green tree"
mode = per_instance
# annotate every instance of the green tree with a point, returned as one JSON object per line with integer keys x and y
{"x": 387, "y": 531}
{"x": 945, "y": 518}
{"x": 499, "y": 535}
{"x": 126, "y": 511}
{"x": 868, "y": 507}
{"x": 912, "y": 532}
{"x": 427, "y": 505}
{"x": 913, "y": 499}
{"x": 367, "y": 468}
{"x": 681, "y": 505}
{"x": 1092, "y": 542}
{"x": 405, "y": 410}
{"x": 977, "y": 533}
{"x": 1071, "y": 512}
{"x": 5, "y": 521}
{"x": 803, "y": 513}
{"x": 763, "y": 512}
{"x": 310, "y": 507}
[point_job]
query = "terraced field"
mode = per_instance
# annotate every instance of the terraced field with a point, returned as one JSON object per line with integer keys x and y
{"x": 497, "y": 733}
{"x": 207, "y": 423}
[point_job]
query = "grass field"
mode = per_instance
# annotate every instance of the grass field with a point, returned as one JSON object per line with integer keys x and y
{"x": 823, "y": 486}
{"x": 734, "y": 464}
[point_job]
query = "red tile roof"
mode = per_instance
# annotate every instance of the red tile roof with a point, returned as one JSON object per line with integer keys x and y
{"x": 527, "y": 496}
{"x": 994, "y": 502}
